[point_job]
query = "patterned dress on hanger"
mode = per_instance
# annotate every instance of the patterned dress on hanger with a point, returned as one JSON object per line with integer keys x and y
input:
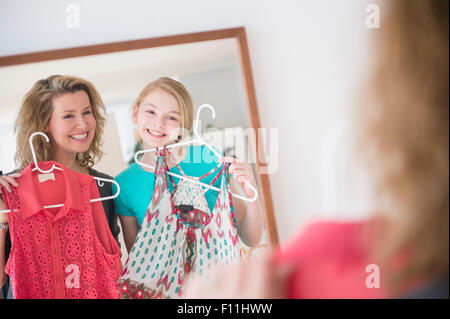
{"x": 179, "y": 235}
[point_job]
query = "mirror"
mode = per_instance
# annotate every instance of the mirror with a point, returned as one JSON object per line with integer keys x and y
{"x": 214, "y": 66}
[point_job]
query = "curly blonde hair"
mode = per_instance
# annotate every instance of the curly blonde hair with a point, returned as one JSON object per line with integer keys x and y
{"x": 35, "y": 114}
{"x": 404, "y": 135}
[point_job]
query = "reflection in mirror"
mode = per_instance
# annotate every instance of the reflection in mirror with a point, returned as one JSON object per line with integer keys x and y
{"x": 211, "y": 71}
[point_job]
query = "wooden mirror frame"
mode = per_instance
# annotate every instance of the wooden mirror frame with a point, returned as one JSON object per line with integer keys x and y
{"x": 236, "y": 33}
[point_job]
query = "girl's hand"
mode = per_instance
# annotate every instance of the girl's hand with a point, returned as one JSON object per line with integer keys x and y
{"x": 242, "y": 172}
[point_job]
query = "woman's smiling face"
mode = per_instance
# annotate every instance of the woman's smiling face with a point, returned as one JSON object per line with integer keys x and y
{"x": 72, "y": 125}
{"x": 158, "y": 118}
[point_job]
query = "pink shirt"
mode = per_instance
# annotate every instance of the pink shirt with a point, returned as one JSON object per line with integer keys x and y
{"x": 65, "y": 252}
{"x": 332, "y": 261}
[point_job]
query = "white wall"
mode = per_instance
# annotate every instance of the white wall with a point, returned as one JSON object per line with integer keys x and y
{"x": 305, "y": 56}
{"x": 223, "y": 89}
{"x": 7, "y": 148}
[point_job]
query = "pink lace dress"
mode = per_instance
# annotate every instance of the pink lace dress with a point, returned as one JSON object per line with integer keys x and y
{"x": 66, "y": 252}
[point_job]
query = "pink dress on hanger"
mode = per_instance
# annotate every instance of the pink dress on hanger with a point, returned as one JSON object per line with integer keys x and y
{"x": 65, "y": 252}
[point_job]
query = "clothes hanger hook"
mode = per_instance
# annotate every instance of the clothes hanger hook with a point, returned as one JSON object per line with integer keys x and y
{"x": 196, "y": 127}
{"x": 33, "y": 153}
{"x": 201, "y": 107}
{"x": 198, "y": 116}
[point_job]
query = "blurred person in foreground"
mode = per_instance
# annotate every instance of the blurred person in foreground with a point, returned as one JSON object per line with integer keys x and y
{"x": 403, "y": 136}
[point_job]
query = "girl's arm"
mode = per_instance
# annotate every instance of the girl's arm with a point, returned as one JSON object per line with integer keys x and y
{"x": 248, "y": 214}
{"x": 248, "y": 218}
{"x": 130, "y": 230}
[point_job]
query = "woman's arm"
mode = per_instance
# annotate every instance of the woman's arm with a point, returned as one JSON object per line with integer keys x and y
{"x": 108, "y": 205}
{"x": 130, "y": 230}
{"x": 3, "y": 220}
{"x": 2, "y": 257}
{"x": 5, "y": 181}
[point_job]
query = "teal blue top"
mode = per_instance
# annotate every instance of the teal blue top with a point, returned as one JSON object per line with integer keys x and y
{"x": 136, "y": 184}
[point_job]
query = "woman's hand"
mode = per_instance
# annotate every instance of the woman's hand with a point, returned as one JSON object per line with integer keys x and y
{"x": 6, "y": 181}
{"x": 258, "y": 279}
{"x": 242, "y": 172}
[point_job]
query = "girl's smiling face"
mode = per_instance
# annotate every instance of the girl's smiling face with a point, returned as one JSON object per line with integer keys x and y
{"x": 158, "y": 118}
{"x": 72, "y": 124}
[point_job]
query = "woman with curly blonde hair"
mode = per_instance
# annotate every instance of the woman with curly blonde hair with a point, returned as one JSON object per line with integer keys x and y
{"x": 71, "y": 112}
{"x": 50, "y": 103}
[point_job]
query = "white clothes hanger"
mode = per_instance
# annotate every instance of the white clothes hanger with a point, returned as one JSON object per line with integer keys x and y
{"x": 201, "y": 142}
{"x": 37, "y": 168}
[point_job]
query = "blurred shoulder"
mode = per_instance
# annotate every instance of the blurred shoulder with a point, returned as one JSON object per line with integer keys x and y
{"x": 328, "y": 239}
